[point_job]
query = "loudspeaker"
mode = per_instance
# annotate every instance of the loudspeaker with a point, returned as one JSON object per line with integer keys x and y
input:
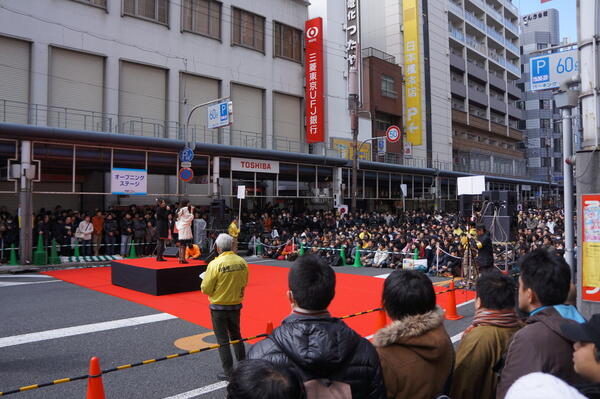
{"x": 505, "y": 202}
{"x": 171, "y": 252}
{"x": 465, "y": 205}
{"x": 501, "y": 229}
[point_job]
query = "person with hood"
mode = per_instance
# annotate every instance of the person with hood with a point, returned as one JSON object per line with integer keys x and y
{"x": 485, "y": 341}
{"x": 415, "y": 350}
{"x": 541, "y": 346}
{"x": 316, "y": 345}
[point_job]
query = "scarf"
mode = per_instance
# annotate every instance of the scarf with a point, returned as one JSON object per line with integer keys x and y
{"x": 506, "y": 318}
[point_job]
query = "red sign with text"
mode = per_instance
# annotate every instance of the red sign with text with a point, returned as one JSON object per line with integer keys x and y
{"x": 315, "y": 82}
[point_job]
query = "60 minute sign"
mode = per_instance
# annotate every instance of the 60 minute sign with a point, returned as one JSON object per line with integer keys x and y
{"x": 549, "y": 71}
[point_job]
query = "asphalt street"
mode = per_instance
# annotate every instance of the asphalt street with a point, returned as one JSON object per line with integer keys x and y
{"x": 50, "y": 329}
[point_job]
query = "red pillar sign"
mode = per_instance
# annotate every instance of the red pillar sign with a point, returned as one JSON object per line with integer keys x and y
{"x": 315, "y": 102}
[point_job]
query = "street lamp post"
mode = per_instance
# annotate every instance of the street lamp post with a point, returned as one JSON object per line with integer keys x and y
{"x": 194, "y": 108}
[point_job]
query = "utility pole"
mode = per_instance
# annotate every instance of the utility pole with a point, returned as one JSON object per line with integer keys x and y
{"x": 588, "y": 158}
{"x": 25, "y": 219}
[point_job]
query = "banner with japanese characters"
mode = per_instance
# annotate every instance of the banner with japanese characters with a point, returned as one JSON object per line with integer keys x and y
{"x": 129, "y": 181}
{"x": 590, "y": 254}
{"x": 412, "y": 72}
{"x": 315, "y": 81}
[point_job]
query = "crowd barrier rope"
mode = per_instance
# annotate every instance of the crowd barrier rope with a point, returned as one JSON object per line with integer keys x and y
{"x": 269, "y": 329}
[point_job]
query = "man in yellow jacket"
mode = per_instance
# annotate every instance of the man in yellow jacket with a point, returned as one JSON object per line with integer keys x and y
{"x": 224, "y": 282}
{"x": 234, "y": 231}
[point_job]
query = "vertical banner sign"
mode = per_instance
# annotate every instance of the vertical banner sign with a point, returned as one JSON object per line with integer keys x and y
{"x": 352, "y": 34}
{"x": 412, "y": 72}
{"x": 315, "y": 82}
{"x": 590, "y": 205}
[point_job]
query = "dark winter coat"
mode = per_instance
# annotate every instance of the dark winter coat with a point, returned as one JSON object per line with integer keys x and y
{"x": 126, "y": 226}
{"x": 111, "y": 226}
{"x": 324, "y": 347}
{"x": 539, "y": 346}
{"x": 139, "y": 229}
{"x": 162, "y": 222}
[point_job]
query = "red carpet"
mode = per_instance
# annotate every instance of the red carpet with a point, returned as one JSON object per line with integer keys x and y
{"x": 265, "y": 297}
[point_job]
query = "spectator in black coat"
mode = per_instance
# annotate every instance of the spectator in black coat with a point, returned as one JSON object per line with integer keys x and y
{"x": 126, "y": 230}
{"x": 316, "y": 345}
{"x": 162, "y": 227}
{"x": 111, "y": 233}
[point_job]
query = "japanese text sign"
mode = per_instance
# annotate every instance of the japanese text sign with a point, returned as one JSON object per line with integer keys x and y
{"x": 412, "y": 72}
{"x": 128, "y": 181}
{"x": 352, "y": 33}
{"x": 315, "y": 82}
{"x": 590, "y": 205}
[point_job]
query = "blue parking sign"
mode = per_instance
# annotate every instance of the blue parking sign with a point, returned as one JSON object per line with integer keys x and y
{"x": 223, "y": 112}
{"x": 540, "y": 70}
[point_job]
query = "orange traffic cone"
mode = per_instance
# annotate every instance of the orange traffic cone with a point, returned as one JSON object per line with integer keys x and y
{"x": 95, "y": 388}
{"x": 269, "y": 328}
{"x": 451, "y": 313}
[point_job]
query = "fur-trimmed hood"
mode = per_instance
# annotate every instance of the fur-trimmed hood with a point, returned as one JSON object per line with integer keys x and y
{"x": 409, "y": 328}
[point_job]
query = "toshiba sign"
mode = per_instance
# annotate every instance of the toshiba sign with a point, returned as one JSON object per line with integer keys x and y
{"x": 254, "y": 165}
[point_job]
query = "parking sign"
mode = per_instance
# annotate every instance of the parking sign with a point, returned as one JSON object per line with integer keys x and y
{"x": 219, "y": 114}
{"x": 550, "y": 70}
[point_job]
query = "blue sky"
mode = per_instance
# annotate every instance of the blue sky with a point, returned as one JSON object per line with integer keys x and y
{"x": 567, "y": 12}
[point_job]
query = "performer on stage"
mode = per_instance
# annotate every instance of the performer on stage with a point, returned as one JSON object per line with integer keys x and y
{"x": 162, "y": 226}
{"x": 485, "y": 255}
{"x": 185, "y": 217}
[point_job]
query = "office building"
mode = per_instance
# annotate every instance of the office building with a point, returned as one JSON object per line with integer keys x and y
{"x": 542, "y": 126}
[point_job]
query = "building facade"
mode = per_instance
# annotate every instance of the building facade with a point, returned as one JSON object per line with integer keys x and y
{"x": 543, "y": 126}
{"x": 474, "y": 66}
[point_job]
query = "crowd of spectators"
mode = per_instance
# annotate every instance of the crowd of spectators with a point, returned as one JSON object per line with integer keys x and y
{"x": 525, "y": 341}
{"x": 383, "y": 239}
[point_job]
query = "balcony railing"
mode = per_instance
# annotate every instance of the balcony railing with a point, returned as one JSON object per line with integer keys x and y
{"x": 495, "y": 34}
{"x": 455, "y": 8}
{"x": 513, "y": 68}
{"x": 494, "y": 13}
{"x": 373, "y": 52}
{"x": 511, "y": 46}
{"x": 70, "y": 118}
{"x": 475, "y": 21}
{"x": 508, "y": 23}
{"x": 497, "y": 57}
{"x": 472, "y": 42}
{"x": 456, "y": 33}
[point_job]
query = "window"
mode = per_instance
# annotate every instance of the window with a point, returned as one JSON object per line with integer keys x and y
{"x": 248, "y": 30}
{"x": 558, "y": 164}
{"x": 154, "y": 10}
{"x": 287, "y": 42}
{"x": 545, "y": 104}
{"x": 383, "y": 121}
{"x": 202, "y": 16}
{"x": 544, "y": 123}
{"x": 557, "y": 144}
{"x": 97, "y": 3}
{"x": 541, "y": 46}
{"x": 387, "y": 86}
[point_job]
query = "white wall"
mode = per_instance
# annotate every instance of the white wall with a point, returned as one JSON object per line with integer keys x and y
{"x": 82, "y": 27}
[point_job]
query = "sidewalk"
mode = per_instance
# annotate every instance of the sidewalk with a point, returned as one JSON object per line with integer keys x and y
{"x": 7, "y": 269}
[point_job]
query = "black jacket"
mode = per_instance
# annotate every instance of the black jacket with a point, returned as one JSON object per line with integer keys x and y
{"x": 485, "y": 256}
{"x": 162, "y": 222}
{"x": 324, "y": 347}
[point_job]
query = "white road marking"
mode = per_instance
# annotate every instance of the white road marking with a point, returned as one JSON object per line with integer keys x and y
{"x": 465, "y": 303}
{"x": 200, "y": 391}
{"x": 82, "y": 329}
{"x": 24, "y": 275}
{"x": 10, "y": 284}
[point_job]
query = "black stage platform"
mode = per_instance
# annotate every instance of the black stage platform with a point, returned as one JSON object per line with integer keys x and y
{"x": 157, "y": 278}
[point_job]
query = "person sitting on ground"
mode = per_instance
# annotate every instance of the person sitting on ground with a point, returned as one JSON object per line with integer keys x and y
{"x": 485, "y": 341}
{"x": 541, "y": 346}
{"x": 290, "y": 251}
{"x": 368, "y": 254}
{"x": 260, "y": 379}
{"x": 381, "y": 257}
{"x": 316, "y": 345}
{"x": 193, "y": 251}
{"x": 415, "y": 350}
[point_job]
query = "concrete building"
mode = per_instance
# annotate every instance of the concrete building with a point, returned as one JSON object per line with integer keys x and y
{"x": 543, "y": 127}
{"x": 473, "y": 52}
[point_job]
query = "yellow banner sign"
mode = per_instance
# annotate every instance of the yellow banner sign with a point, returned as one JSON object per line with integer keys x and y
{"x": 344, "y": 147}
{"x": 412, "y": 73}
